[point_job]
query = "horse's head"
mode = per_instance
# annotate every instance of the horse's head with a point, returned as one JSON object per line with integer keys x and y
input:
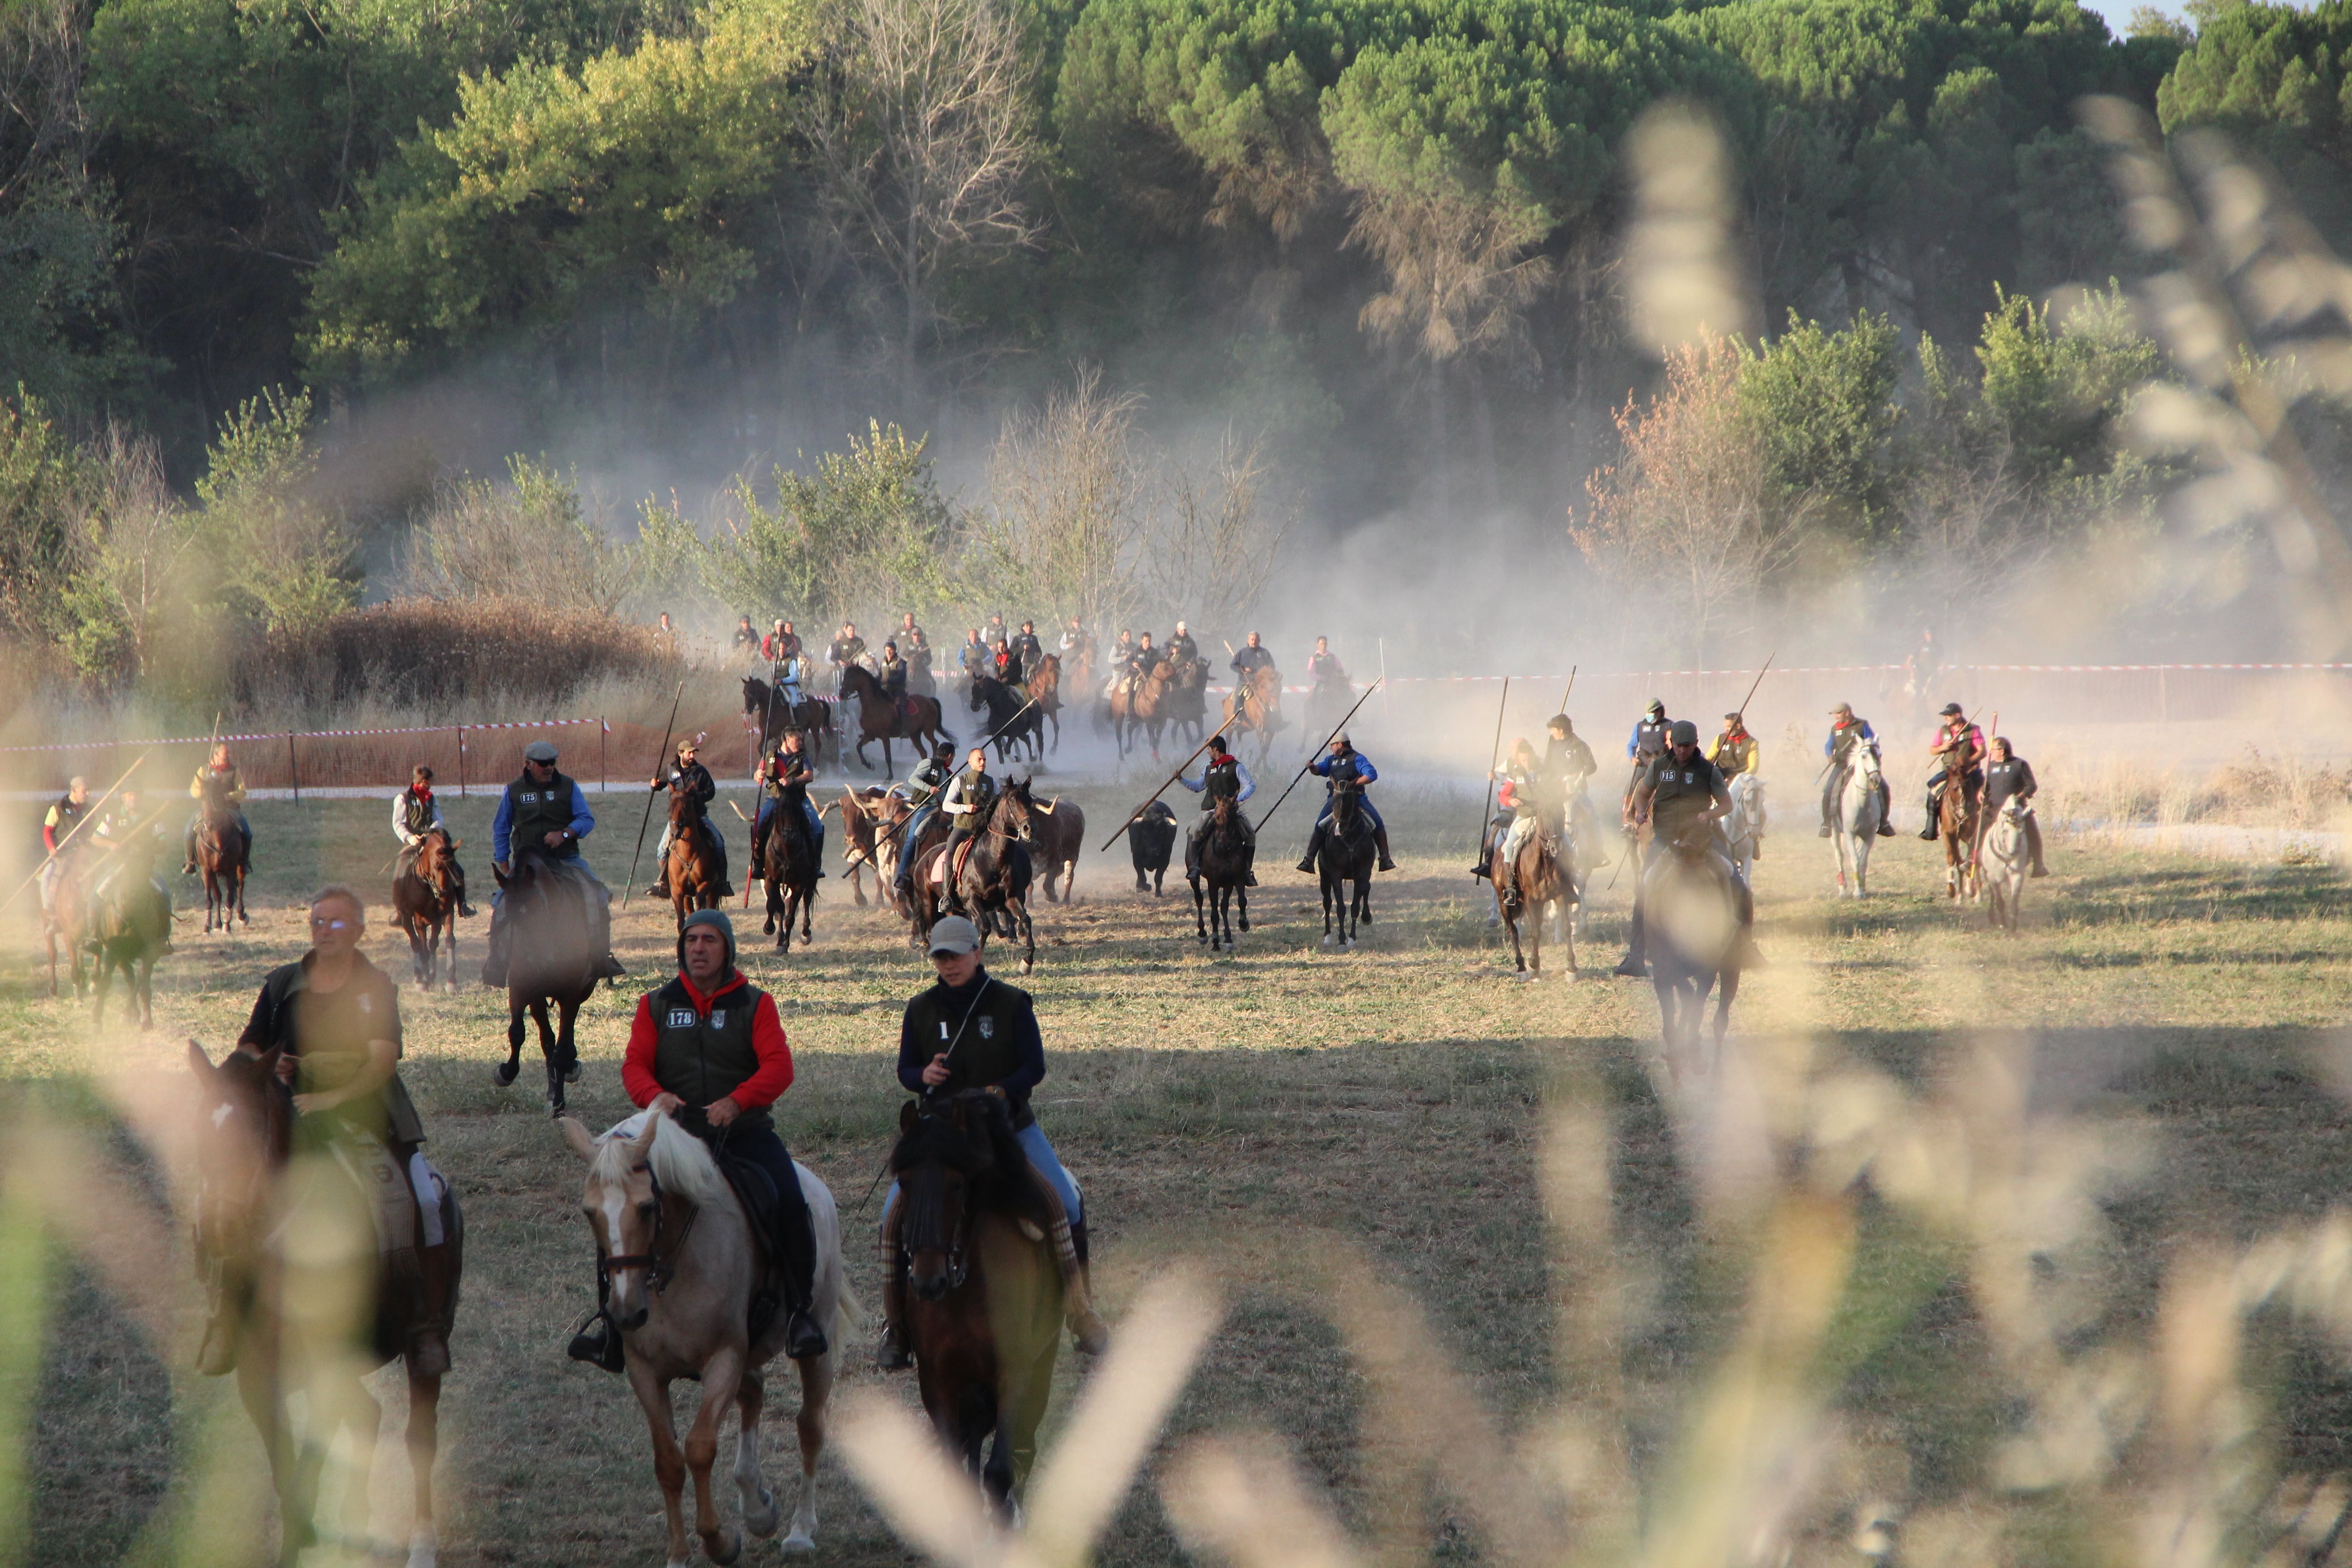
{"x": 436, "y": 860}
{"x": 1021, "y": 810}
{"x": 1866, "y": 762}
{"x": 684, "y": 809}
{"x": 630, "y": 1178}
{"x": 755, "y": 694}
{"x": 244, "y": 1120}
{"x": 947, "y": 1148}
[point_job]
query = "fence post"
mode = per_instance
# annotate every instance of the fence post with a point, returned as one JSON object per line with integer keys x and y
{"x": 293, "y": 771}
{"x": 461, "y": 762}
{"x": 2163, "y": 699}
{"x": 603, "y": 740}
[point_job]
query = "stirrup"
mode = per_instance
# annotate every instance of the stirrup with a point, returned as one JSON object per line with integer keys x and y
{"x": 597, "y": 1342}
{"x": 803, "y": 1338}
{"x": 890, "y": 1352}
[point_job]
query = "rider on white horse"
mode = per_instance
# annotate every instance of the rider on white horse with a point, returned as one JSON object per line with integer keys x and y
{"x": 2010, "y": 777}
{"x": 1846, "y": 732}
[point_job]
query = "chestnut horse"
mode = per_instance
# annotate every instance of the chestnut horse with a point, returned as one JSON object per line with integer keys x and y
{"x": 221, "y": 861}
{"x": 1045, "y": 688}
{"x": 1256, "y": 707}
{"x": 1140, "y": 705}
{"x": 1540, "y": 878}
{"x": 691, "y": 868}
{"x": 425, "y": 905}
{"x": 1957, "y": 821}
{"x": 879, "y": 719}
{"x": 65, "y": 922}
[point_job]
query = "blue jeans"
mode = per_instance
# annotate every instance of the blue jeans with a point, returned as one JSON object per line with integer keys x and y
{"x": 808, "y": 815}
{"x": 1364, "y": 804}
{"x": 1049, "y": 1165}
{"x": 915, "y": 825}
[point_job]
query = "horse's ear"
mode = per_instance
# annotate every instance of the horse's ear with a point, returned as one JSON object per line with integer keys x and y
{"x": 200, "y": 1064}
{"x": 907, "y": 1115}
{"x": 645, "y": 1138}
{"x": 582, "y": 1141}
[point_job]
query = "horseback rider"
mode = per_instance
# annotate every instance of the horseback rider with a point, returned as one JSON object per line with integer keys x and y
{"x": 916, "y": 648}
{"x": 1647, "y": 743}
{"x": 1683, "y": 796}
{"x": 217, "y": 789}
{"x": 1122, "y": 656}
{"x": 922, "y": 790}
{"x": 1518, "y": 804}
{"x": 1028, "y": 650}
{"x": 783, "y": 651}
{"x": 846, "y": 649}
{"x": 1568, "y": 766}
{"x": 973, "y": 656}
{"x": 1181, "y": 649}
{"x": 65, "y": 814}
{"x": 1846, "y": 733}
{"x": 708, "y": 1051}
{"x": 969, "y": 797}
{"x": 1253, "y": 656}
{"x": 2010, "y": 777}
{"x": 782, "y": 779}
{"x": 547, "y": 814}
{"x": 414, "y": 814}
{"x": 334, "y": 1017}
{"x": 1734, "y": 752}
{"x": 124, "y": 835}
{"x": 1341, "y": 766}
{"x": 691, "y": 779}
{"x": 1961, "y": 747}
{"x": 971, "y": 1031}
{"x": 746, "y": 639}
{"x": 995, "y": 631}
{"x": 1323, "y": 666}
{"x": 1223, "y": 777}
{"x": 892, "y": 672}
{"x": 1005, "y": 663}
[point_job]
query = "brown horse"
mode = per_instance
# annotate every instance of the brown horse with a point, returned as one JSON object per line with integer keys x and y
{"x": 65, "y": 922}
{"x": 880, "y": 719}
{"x": 984, "y": 1313}
{"x": 991, "y": 886}
{"x": 129, "y": 928}
{"x": 1257, "y": 708}
{"x": 425, "y": 905}
{"x": 1225, "y": 867}
{"x": 788, "y": 864}
{"x": 691, "y": 866}
{"x": 1345, "y": 863}
{"x": 1188, "y": 699}
{"x": 1957, "y": 821}
{"x": 1692, "y": 936}
{"x": 1044, "y": 689}
{"x": 221, "y": 861}
{"x": 1537, "y": 877}
{"x": 551, "y": 962}
{"x": 251, "y": 1195}
{"x": 812, "y": 716}
{"x": 1140, "y": 705}
{"x": 1054, "y": 830}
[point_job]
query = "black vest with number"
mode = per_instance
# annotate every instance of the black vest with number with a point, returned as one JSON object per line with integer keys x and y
{"x": 1222, "y": 782}
{"x": 979, "y": 792}
{"x": 1650, "y": 737}
{"x": 981, "y": 1049}
{"x": 541, "y": 809}
{"x": 1680, "y": 789}
{"x": 701, "y": 1056}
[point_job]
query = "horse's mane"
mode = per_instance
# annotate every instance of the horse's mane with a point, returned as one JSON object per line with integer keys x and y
{"x": 680, "y": 1162}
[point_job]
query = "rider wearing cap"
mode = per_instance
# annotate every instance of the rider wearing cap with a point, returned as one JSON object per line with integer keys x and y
{"x": 546, "y": 814}
{"x": 1846, "y": 733}
{"x": 2010, "y": 777}
{"x": 217, "y": 789}
{"x": 1682, "y": 794}
{"x": 65, "y": 814}
{"x": 1342, "y": 765}
{"x": 1734, "y": 752}
{"x": 692, "y": 779}
{"x": 1223, "y": 777}
{"x": 1961, "y": 747}
{"x": 782, "y": 779}
{"x": 970, "y": 1031}
{"x": 922, "y": 790}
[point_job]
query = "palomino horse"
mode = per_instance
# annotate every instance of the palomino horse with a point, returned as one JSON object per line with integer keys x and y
{"x": 1053, "y": 829}
{"x": 550, "y": 960}
{"x": 992, "y": 887}
{"x": 691, "y": 868}
{"x": 1223, "y": 866}
{"x": 1743, "y": 830}
{"x": 1540, "y": 877}
{"x": 789, "y": 867}
{"x": 880, "y": 719}
{"x": 1014, "y": 717}
{"x": 425, "y": 905}
{"x": 1257, "y": 708}
{"x": 681, "y": 1265}
{"x": 221, "y": 860}
{"x": 65, "y": 922}
{"x": 1854, "y": 820}
{"x": 278, "y": 1241}
{"x": 984, "y": 1311}
{"x": 1690, "y": 917}
{"x": 130, "y": 927}
{"x": 2003, "y": 863}
{"x": 1140, "y": 705}
{"x": 1957, "y": 821}
{"x": 772, "y": 706}
{"x": 1346, "y": 858}
{"x": 1045, "y": 687}
{"x": 1188, "y": 699}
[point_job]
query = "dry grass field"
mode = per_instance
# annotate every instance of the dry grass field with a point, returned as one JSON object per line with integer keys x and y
{"x": 2172, "y": 1019}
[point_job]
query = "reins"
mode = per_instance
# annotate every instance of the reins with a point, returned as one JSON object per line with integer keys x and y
{"x": 658, "y": 1271}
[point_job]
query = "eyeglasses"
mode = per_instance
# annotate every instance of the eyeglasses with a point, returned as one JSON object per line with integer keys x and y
{"x": 317, "y": 925}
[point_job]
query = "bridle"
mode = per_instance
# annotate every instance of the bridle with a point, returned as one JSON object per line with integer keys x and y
{"x": 658, "y": 1270}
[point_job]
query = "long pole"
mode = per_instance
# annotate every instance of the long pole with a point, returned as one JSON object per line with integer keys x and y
{"x": 1571, "y": 686}
{"x": 668, "y": 726}
{"x": 1494, "y": 755}
{"x": 1976, "y": 848}
{"x": 87, "y": 818}
{"x": 1137, "y": 814}
{"x": 1742, "y": 709}
{"x": 1316, "y": 753}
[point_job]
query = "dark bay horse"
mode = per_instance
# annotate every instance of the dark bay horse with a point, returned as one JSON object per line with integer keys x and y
{"x": 984, "y": 1308}
{"x": 1140, "y": 705}
{"x": 879, "y": 719}
{"x": 1346, "y": 858}
{"x": 425, "y": 905}
{"x": 1053, "y": 829}
{"x": 691, "y": 868}
{"x": 551, "y": 962}
{"x": 788, "y": 865}
{"x": 1690, "y": 918}
{"x": 221, "y": 861}
{"x": 250, "y": 1195}
{"x": 129, "y": 928}
{"x": 1188, "y": 699}
{"x": 1013, "y": 716}
{"x": 991, "y": 888}
{"x": 1225, "y": 868}
{"x": 812, "y": 716}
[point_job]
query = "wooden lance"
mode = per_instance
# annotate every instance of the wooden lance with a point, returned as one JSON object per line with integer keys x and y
{"x": 87, "y": 818}
{"x": 1742, "y": 709}
{"x": 1571, "y": 686}
{"x": 1137, "y": 815}
{"x": 1314, "y": 755}
{"x": 1494, "y": 755}
{"x": 668, "y": 726}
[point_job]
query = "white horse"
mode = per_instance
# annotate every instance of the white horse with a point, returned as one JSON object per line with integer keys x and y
{"x": 2002, "y": 864}
{"x": 1854, "y": 824}
{"x": 1743, "y": 830}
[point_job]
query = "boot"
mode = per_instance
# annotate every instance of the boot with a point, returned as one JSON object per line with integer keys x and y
{"x": 598, "y": 1343}
{"x": 429, "y": 1343}
{"x": 1928, "y": 832}
{"x": 804, "y": 1339}
{"x": 1381, "y": 842}
{"x": 1825, "y": 829}
{"x": 1249, "y": 864}
{"x": 1633, "y": 966}
{"x": 494, "y": 959}
{"x": 1077, "y": 1293}
{"x": 1314, "y": 847}
{"x": 891, "y": 1352}
{"x": 2033, "y": 843}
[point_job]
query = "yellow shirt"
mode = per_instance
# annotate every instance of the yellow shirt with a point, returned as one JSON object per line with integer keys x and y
{"x": 235, "y": 794}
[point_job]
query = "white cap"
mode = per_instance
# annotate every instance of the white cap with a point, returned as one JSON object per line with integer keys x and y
{"x": 955, "y": 936}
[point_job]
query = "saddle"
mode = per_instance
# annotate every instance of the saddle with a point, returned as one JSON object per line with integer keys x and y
{"x": 906, "y": 714}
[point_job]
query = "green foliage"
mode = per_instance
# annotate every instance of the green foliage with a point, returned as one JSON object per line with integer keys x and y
{"x": 2051, "y": 396}
{"x": 282, "y": 552}
{"x": 43, "y": 486}
{"x": 1822, "y": 406}
{"x": 2275, "y": 75}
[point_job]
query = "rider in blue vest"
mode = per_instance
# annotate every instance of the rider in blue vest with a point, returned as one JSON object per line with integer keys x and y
{"x": 1344, "y": 764}
{"x": 546, "y": 812}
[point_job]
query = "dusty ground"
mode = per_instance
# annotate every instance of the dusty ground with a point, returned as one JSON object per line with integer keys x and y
{"x": 1227, "y": 1109}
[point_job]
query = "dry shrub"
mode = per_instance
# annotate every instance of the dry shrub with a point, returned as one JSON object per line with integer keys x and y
{"x": 426, "y": 652}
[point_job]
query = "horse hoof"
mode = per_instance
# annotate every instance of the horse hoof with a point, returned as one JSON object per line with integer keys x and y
{"x": 505, "y": 1074}
{"x": 769, "y": 928}
{"x": 724, "y": 1546}
{"x": 763, "y": 1519}
{"x": 571, "y": 1070}
{"x": 798, "y": 1543}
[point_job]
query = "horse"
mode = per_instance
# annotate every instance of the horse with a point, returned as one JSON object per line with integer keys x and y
{"x": 1150, "y": 840}
{"x": 985, "y": 1290}
{"x": 991, "y": 886}
{"x": 1013, "y": 716}
{"x": 425, "y": 905}
{"x": 1691, "y": 923}
{"x": 1054, "y": 830}
{"x": 1743, "y": 830}
{"x": 812, "y": 716}
{"x": 550, "y": 961}
{"x": 1223, "y": 865}
{"x": 789, "y": 867}
{"x": 1256, "y": 706}
{"x": 1854, "y": 820}
{"x": 1957, "y": 821}
{"x": 1188, "y": 699}
{"x": 1140, "y": 705}
{"x": 1044, "y": 688}
{"x": 65, "y": 924}
{"x": 221, "y": 860}
{"x": 680, "y": 1264}
{"x": 691, "y": 868}
{"x": 880, "y": 719}
{"x": 2003, "y": 862}
{"x": 1346, "y": 857}
{"x": 1541, "y": 876}
{"x": 130, "y": 927}
{"x": 267, "y": 1269}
